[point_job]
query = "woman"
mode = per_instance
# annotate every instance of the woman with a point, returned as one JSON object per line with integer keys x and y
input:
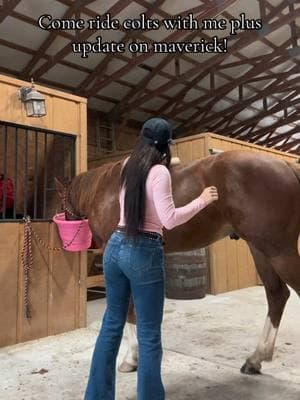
{"x": 134, "y": 263}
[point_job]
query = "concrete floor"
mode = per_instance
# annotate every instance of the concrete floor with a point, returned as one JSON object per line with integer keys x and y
{"x": 205, "y": 343}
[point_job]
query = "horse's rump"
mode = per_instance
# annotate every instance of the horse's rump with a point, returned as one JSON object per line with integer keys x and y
{"x": 295, "y": 168}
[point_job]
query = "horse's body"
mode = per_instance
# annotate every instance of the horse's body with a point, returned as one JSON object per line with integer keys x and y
{"x": 259, "y": 198}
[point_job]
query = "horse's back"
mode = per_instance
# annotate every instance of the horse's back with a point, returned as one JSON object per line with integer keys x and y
{"x": 259, "y": 194}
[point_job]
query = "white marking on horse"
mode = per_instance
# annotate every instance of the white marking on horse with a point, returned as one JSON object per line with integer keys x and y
{"x": 130, "y": 360}
{"x": 265, "y": 348}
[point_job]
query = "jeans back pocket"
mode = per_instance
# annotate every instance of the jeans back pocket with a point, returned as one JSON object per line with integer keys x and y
{"x": 146, "y": 258}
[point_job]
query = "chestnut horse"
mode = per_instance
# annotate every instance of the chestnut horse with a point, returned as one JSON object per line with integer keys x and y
{"x": 259, "y": 198}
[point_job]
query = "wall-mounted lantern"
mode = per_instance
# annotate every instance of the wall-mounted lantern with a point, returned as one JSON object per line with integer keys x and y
{"x": 34, "y": 101}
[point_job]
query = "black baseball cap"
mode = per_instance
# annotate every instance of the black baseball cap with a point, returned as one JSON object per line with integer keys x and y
{"x": 157, "y": 132}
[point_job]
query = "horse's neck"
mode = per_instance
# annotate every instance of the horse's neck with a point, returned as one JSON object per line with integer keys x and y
{"x": 89, "y": 185}
{"x": 78, "y": 202}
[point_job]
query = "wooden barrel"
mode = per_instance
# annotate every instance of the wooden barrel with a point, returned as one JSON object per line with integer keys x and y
{"x": 186, "y": 274}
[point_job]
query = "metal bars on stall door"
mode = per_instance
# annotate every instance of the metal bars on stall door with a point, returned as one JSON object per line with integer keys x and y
{"x": 31, "y": 157}
{"x": 4, "y": 186}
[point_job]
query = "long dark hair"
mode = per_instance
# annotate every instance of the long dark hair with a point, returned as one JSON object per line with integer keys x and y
{"x": 133, "y": 178}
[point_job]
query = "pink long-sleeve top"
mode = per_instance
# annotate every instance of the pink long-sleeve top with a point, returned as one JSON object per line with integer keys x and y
{"x": 160, "y": 210}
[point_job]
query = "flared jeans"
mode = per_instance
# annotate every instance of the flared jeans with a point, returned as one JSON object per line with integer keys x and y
{"x": 131, "y": 268}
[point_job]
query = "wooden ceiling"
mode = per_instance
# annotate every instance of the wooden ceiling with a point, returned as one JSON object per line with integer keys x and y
{"x": 250, "y": 93}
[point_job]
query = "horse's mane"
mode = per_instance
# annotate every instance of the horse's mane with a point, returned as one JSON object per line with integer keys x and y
{"x": 84, "y": 186}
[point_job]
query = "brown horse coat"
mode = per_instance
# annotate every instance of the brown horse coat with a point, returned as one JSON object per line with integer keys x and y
{"x": 259, "y": 198}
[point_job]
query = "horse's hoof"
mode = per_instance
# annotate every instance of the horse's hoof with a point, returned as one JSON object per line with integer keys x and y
{"x": 126, "y": 367}
{"x": 250, "y": 369}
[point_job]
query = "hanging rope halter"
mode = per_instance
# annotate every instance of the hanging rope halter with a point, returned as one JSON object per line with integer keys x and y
{"x": 27, "y": 261}
{"x": 66, "y": 209}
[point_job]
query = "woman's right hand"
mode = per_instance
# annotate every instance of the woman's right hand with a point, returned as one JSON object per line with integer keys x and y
{"x": 209, "y": 195}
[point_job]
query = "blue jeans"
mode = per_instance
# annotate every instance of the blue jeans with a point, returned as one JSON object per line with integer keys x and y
{"x": 131, "y": 268}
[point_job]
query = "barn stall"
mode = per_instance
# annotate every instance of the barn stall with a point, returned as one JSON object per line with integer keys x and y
{"x": 34, "y": 152}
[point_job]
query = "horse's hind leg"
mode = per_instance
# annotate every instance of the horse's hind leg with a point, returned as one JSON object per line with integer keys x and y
{"x": 130, "y": 360}
{"x": 277, "y": 295}
{"x": 287, "y": 267}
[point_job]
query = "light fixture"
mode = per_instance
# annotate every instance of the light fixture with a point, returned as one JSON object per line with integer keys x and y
{"x": 215, "y": 151}
{"x": 34, "y": 101}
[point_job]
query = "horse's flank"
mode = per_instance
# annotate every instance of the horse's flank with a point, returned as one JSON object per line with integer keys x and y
{"x": 250, "y": 186}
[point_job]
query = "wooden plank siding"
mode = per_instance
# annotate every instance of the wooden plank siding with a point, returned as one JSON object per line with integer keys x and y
{"x": 9, "y": 267}
{"x": 54, "y": 289}
{"x": 58, "y": 279}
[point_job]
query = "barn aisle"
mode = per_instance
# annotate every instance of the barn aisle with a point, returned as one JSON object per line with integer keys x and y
{"x": 205, "y": 343}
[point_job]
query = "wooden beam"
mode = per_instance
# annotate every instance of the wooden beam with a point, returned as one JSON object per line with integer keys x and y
{"x": 32, "y": 21}
{"x": 102, "y": 66}
{"x": 76, "y": 6}
{"x": 262, "y": 9}
{"x": 7, "y": 8}
{"x": 287, "y": 102}
{"x": 83, "y": 36}
{"x": 289, "y": 145}
{"x": 269, "y": 44}
{"x": 160, "y": 90}
{"x": 293, "y": 27}
{"x": 286, "y": 140}
{"x": 247, "y": 61}
{"x": 241, "y": 96}
{"x": 69, "y": 88}
{"x": 81, "y": 68}
{"x": 193, "y": 10}
{"x": 246, "y": 38}
{"x": 122, "y": 107}
{"x": 272, "y": 141}
{"x": 283, "y": 121}
{"x": 267, "y": 139}
{"x": 212, "y": 80}
{"x": 233, "y": 134}
{"x": 258, "y": 142}
{"x": 175, "y": 36}
{"x": 224, "y": 90}
{"x": 177, "y": 66}
{"x": 272, "y": 88}
{"x": 295, "y": 151}
{"x": 29, "y": 51}
{"x": 282, "y": 75}
{"x": 238, "y": 107}
{"x": 280, "y": 57}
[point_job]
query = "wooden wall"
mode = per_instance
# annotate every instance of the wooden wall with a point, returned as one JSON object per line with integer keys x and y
{"x": 66, "y": 113}
{"x": 108, "y": 158}
{"x": 125, "y": 138}
{"x": 54, "y": 289}
{"x": 220, "y": 142}
{"x": 58, "y": 281}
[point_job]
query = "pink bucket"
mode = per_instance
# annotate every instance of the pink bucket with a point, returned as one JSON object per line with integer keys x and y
{"x": 75, "y": 235}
